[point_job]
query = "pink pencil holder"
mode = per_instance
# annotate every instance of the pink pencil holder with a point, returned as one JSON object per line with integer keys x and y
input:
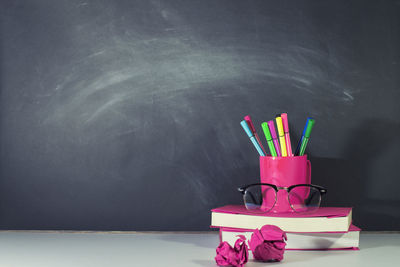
{"x": 284, "y": 172}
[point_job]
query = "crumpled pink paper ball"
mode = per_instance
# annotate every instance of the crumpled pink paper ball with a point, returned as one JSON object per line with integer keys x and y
{"x": 268, "y": 243}
{"x": 236, "y": 256}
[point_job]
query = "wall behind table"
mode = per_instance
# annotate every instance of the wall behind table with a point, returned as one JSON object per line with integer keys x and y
{"x": 124, "y": 115}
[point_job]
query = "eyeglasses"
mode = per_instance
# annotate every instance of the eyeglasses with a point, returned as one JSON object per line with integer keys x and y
{"x": 263, "y": 197}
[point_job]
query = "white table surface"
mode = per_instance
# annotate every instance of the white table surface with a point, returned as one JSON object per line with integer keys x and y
{"x": 45, "y": 249}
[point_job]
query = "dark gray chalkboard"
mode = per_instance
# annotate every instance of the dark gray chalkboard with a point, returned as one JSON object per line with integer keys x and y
{"x": 124, "y": 115}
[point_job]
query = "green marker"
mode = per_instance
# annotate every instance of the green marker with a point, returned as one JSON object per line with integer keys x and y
{"x": 268, "y": 136}
{"x": 304, "y": 142}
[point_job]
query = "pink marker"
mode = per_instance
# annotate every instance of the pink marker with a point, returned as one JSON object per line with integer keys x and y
{"x": 287, "y": 136}
{"x": 253, "y": 129}
{"x": 271, "y": 127}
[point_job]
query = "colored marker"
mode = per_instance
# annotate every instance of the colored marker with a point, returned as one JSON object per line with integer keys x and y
{"x": 306, "y": 137}
{"x": 287, "y": 135}
{"x": 253, "y": 130}
{"x": 251, "y": 136}
{"x": 268, "y": 136}
{"x": 301, "y": 138}
{"x": 281, "y": 134}
{"x": 271, "y": 127}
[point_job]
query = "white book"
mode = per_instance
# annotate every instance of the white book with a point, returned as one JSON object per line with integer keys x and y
{"x": 304, "y": 241}
{"x": 325, "y": 219}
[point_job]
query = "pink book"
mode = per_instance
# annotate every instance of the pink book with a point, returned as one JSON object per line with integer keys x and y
{"x": 325, "y": 219}
{"x": 348, "y": 240}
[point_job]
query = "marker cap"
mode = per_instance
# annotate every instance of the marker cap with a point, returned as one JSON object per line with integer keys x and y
{"x": 310, "y": 125}
{"x": 305, "y": 127}
{"x": 272, "y": 129}
{"x": 285, "y": 122}
{"x": 250, "y": 123}
{"x": 267, "y": 133}
{"x": 246, "y": 128}
{"x": 279, "y": 125}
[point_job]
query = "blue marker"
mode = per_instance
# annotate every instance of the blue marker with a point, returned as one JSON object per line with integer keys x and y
{"x": 252, "y": 138}
{"x": 301, "y": 139}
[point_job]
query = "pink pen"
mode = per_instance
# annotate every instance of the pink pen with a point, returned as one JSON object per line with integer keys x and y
{"x": 253, "y": 129}
{"x": 271, "y": 127}
{"x": 287, "y": 136}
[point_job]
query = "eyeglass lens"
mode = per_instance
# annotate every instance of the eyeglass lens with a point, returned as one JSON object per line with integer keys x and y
{"x": 304, "y": 198}
{"x": 259, "y": 198}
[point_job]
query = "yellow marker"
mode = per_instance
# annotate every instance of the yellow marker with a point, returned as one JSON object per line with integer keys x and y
{"x": 281, "y": 135}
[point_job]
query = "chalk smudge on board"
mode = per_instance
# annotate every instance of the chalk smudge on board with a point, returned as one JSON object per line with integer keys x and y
{"x": 130, "y": 69}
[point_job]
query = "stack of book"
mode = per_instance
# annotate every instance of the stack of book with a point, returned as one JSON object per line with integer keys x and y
{"x": 326, "y": 228}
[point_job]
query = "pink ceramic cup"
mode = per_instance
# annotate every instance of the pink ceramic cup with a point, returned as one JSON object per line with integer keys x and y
{"x": 284, "y": 172}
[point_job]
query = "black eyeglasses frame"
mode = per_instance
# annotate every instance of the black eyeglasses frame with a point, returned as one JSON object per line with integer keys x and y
{"x": 321, "y": 190}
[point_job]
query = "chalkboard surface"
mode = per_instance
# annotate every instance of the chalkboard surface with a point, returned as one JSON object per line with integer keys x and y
{"x": 124, "y": 115}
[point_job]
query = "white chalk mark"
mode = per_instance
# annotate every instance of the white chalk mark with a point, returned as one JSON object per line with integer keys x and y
{"x": 82, "y": 4}
{"x": 97, "y": 53}
{"x": 102, "y": 108}
{"x": 137, "y": 68}
{"x": 348, "y": 97}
